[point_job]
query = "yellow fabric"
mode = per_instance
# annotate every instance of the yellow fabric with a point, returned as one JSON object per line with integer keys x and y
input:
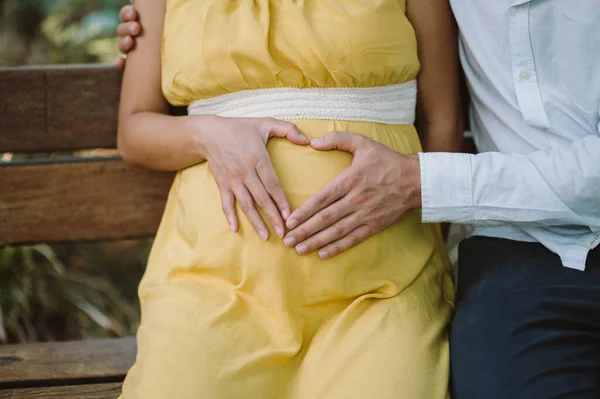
{"x": 229, "y": 316}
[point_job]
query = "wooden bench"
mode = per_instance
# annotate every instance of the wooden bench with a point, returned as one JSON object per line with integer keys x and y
{"x": 86, "y": 369}
{"x": 69, "y": 199}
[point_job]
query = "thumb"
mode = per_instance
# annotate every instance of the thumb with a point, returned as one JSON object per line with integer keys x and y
{"x": 286, "y": 130}
{"x": 336, "y": 141}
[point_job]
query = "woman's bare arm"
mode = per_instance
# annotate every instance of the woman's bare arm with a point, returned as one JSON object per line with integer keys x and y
{"x": 147, "y": 135}
{"x": 438, "y": 102}
{"x": 235, "y": 148}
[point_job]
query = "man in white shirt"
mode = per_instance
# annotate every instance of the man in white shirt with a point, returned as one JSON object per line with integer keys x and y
{"x": 528, "y": 301}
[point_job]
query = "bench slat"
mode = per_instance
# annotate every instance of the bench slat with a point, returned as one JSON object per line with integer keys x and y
{"x": 70, "y": 107}
{"x": 79, "y": 201}
{"x": 44, "y": 109}
{"x": 93, "y": 391}
{"x": 58, "y": 363}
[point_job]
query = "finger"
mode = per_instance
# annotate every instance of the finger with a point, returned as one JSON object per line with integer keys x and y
{"x": 121, "y": 63}
{"x": 228, "y": 206}
{"x": 128, "y": 29}
{"x": 351, "y": 240}
{"x": 128, "y": 13}
{"x": 246, "y": 202}
{"x": 126, "y": 44}
{"x": 333, "y": 232}
{"x": 265, "y": 202}
{"x": 337, "y": 141}
{"x": 333, "y": 191}
{"x": 325, "y": 221}
{"x": 270, "y": 181}
{"x": 277, "y": 128}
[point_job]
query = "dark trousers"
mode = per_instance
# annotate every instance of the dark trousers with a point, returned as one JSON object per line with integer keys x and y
{"x": 525, "y": 327}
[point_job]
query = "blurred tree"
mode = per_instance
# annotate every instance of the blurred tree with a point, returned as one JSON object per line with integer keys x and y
{"x": 58, "y": 31}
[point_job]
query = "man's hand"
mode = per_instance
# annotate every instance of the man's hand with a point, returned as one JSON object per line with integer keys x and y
{"x": 127, "y": 31}
{"x": 378, "y": 188}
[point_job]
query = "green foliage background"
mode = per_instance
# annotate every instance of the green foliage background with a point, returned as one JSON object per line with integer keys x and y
{"x": 66, "y": 291}
{"x": 58, "y": 31}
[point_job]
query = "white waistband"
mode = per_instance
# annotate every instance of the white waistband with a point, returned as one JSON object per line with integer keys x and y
{"x": 393, "y": 105}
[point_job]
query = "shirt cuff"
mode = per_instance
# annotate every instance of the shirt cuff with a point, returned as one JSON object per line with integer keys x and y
{"x": 446, "y": 190}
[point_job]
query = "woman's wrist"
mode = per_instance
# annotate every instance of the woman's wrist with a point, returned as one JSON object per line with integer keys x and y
{"x": 196, "y": 127}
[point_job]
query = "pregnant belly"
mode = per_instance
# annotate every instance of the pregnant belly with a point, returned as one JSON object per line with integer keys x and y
{"x": 385, "y": 263}
{"x": 303, "y": 171}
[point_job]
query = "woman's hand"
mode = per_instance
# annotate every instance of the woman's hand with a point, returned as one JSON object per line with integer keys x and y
{"x": 127, "y": 30}
{"x": 235, "y": 149}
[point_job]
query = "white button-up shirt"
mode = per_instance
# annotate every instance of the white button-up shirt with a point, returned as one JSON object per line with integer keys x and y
{"x": 533, "y": 70}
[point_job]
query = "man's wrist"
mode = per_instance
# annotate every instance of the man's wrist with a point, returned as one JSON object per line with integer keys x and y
{"x": 414, "y": 179}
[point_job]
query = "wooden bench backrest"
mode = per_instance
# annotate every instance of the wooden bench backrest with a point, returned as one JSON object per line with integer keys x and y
{"x": 61, "y": 199}
{"x": 69, "y": 108}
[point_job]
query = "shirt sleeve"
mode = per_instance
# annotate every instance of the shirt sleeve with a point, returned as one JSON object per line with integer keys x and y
{"x": 544, "y": 188}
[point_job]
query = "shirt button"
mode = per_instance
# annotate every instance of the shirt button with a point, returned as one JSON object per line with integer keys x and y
{"x": 524, "y": 75}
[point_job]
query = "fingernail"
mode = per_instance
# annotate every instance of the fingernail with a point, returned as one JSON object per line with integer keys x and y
{"x": 285, "y": 214}
{"x": 231, "y": 224}
{"x": 324, "y": 254}
{"x": 263, "y": 234}
{"x": 301, "y": 249}
{"x": 317, "y": 141}
{"x": 291, "y": 224}
{"x": 306, "y": 140}
{"x": 280, "y": 232}
{"x": 289, "y": 242}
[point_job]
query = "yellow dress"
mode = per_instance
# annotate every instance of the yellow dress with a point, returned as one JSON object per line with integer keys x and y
{"x": 228, "y": 316}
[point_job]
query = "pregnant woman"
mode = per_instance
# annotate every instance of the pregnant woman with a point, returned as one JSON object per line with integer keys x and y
{"x": 228, "y": 311}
